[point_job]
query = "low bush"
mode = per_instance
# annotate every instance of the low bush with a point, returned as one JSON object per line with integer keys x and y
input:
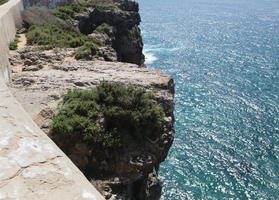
{"x": 51, "y": 32}
{"x": 54, "y": 36}
{"x": 69, "y": 11}
{"x": 86, "y": 51}
{"x": 112, "y": 115}
{"x": 13, "y": 45}
{"x": 103, "y": 28}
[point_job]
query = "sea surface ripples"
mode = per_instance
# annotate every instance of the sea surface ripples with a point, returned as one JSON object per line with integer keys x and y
{"x": 224, "y": 57}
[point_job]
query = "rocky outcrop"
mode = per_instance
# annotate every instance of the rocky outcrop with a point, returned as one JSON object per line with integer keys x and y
{"x": 124, "y": 34}
{"x": 126, "y": 174}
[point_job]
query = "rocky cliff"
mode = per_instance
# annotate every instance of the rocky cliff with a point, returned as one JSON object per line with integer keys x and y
{"x": 42, "y": 77}
{"x": 123, "y": 33}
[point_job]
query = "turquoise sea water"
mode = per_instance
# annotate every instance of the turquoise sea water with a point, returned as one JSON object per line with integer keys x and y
{"x": 224, "y": 57}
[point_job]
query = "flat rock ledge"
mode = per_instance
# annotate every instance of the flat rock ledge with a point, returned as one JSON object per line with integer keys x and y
{"x": 40, "y": 79}
{"x": 32, "y": 167}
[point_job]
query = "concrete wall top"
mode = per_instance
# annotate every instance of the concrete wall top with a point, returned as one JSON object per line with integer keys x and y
{"x": 32, "y": 167}
{"x": 9, "y": 19}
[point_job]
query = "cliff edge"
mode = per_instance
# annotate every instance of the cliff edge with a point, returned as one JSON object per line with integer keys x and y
{"x": 41, "y": 76}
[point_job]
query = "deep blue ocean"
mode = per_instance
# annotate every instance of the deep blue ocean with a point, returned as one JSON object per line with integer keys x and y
{"x": 224, "y": 58}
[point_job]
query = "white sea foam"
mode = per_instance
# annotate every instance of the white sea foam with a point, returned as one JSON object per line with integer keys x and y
{"x": 149, "y": 57}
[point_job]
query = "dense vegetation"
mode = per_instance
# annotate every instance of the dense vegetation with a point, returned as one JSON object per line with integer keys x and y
{"x": 68, "y": 12}
{"x": 112, "y": 115}
{"x": 50, "y": 29}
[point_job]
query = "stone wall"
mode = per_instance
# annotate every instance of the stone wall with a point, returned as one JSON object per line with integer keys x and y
{"x": 32, "y": 167}
{"x": 9, "y": 20}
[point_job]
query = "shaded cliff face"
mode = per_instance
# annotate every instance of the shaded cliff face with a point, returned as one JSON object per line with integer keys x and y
{"x": 123, "y": 20}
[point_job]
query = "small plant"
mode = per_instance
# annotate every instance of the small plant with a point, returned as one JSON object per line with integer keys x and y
{"x": 13, "y": 44}
{"x": 103, "y": 28}
{"x": 112, "y": 115}
{"x": 86, "y": 51}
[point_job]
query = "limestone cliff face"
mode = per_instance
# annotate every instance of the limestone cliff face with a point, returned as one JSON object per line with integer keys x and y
{"x": 125, "y": 33}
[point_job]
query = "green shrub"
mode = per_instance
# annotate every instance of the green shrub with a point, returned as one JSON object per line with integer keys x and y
{"x": 86, "y": 51}
{"x": 57, "y": 33}
{"x": 76, "y": 42}
{"x": 103, "y": 28}
{"x": 13, "y": 44}
{"x": 55, "y": 36}
{"x": 69, "y": 11}
{"x": 111, "y": 115}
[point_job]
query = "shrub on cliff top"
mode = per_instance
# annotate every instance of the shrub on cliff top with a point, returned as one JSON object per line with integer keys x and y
{"x": 54, "y": 36}
{"x": 50, "y": 32}
{"x": 103, "y": 28}
{"x": 111, "y": 115}
{"x": 69, "y": 11}
{"x": 86, "y": 51}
